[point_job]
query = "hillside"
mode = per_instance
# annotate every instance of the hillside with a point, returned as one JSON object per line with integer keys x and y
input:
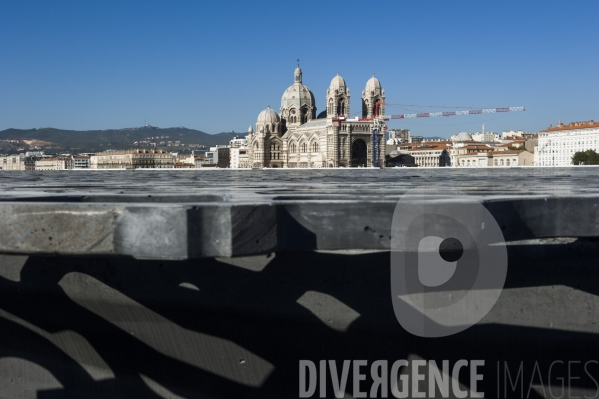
{"x": 116, "y": 139}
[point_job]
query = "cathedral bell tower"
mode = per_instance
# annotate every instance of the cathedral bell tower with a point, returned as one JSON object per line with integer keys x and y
{"x": 337, "y": 98}
{"x": 337, "y": 108}
{"x": 372, "y": 94}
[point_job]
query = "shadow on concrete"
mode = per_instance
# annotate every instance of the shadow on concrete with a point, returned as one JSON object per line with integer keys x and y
{"x": 258, "y": 310}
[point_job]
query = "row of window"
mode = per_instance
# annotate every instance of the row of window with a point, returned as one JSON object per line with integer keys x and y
{"x": 304, "y": 147}
{"x": 292, "y": 147}
{"x": 496, "y": 162}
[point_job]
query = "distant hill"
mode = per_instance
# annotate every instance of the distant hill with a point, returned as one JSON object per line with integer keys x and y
{"x": 115, "y": 139}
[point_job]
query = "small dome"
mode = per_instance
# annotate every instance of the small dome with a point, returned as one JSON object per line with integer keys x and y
{"x": 337, "y": 82}
{"x": 464, "y": 136}
{"x": 322, "y": 115}
{"x": 268, "y": 116}
{"x": 373, "y": 84}
{"x": 250, "y": 129}
{"x": 298, "y": 70}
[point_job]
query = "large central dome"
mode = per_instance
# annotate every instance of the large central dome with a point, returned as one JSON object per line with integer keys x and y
{"x": 297, "y": 94}
{"x": 297, "y": 104}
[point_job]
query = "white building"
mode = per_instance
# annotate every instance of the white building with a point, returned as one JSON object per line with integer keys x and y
{"x": 54, "y": 164}
{"x": 399, "y": 136}
{"x": 12, "y": 162}
{"x": 495, "y": 158}
{"x": 238, "y": 142}
{"x": 558, "y": 144}
{"x": 516, "y": 133}
{"x": 131, "y": 159}
{"x": 485, "y": 137}
{"x": 240, "y": 158}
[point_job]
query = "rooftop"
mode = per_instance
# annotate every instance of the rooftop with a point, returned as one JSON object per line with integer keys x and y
{"x": 135, "y": 151}
{"x": 572, "y": 126}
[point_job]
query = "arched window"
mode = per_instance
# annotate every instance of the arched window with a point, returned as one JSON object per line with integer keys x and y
{"x": 507, "y": 162}
{"x": 304, "y": 147}
{"x": 501, "y": 162}
{"x": 314, "y": 146}
{"x": 292, "y": 148}
{"x": 341, "y": 107}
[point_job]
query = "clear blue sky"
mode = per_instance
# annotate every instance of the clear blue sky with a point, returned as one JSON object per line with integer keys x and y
{"x": 215, "y": 65}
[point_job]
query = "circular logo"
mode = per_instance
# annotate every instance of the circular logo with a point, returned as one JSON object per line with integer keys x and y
{"x": 448, "y": 262}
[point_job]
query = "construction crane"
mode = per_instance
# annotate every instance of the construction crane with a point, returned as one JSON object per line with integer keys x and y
{"x": 379, "y": 122}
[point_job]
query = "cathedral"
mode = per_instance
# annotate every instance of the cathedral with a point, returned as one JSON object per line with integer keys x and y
{"x": 298, "y": 137}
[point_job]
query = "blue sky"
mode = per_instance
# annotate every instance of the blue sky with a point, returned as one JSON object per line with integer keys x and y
{"x": 214, "y": 66}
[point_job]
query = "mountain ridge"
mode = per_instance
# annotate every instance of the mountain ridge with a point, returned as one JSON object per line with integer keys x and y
{"x": 116, "y": 139}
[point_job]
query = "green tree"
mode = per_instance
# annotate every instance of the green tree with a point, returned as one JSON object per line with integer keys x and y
{"x": 588, "y": 157}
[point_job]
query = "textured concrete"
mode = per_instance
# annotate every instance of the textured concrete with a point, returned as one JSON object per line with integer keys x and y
{"x": 186, "y": 214}
{"x": 181, "y": 314}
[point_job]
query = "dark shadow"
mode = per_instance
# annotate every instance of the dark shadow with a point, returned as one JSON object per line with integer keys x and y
{"x": 258, "y": 310}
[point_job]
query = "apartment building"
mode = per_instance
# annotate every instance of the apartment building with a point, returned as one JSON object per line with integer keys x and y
{"x": 557, "y": 145}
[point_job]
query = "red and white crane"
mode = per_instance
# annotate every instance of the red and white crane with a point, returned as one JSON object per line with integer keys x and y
{"x": 380, "y": 119}
{"x": 435, "y": 114}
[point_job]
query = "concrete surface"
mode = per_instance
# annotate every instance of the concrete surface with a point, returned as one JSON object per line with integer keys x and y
{"x": 155, "y": 299}
{"x": 193, "y": 214}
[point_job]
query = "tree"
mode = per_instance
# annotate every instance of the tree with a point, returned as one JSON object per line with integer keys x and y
{"x": 588, "y": 157}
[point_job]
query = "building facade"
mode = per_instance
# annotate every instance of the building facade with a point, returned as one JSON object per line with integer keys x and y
{"x": 430, "y": 156}
{"x": 131, "y": 159}
{"x": 299, "y": 138}
{"x": 238, "y": 142}
{"x": 81, "y": 162}
{"x": 12, "y": 162}
{"x": 557, "y": 145}
{"x": 240, "y": 158}
{"x": 399, "y": 136}
{"x": 60, "y": 163}
{"x": 496, "y": 158}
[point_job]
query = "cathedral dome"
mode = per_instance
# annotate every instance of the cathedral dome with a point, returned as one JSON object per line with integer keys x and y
{"x": 297, "y": 94}
{"x": 268, "y": 116}
{"x": 297, "y": 103}
{"x": 373, "y": 84}
{"x": 337, "y": 82}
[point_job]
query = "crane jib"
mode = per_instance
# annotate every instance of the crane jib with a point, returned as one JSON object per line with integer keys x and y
{"x": 455, "y": 113}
